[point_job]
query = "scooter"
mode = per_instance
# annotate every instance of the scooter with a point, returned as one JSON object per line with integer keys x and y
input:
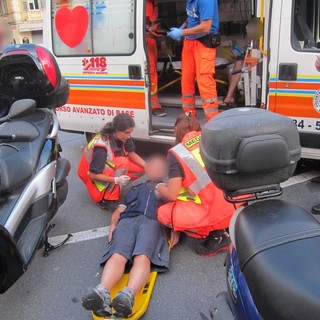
{"x": 33, "y": 176}
{"x": 273, "y": 265}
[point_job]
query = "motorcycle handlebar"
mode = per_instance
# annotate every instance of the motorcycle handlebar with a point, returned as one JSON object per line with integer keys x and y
{"x": 7, "y": 136}
{"x": 12, "y": 137}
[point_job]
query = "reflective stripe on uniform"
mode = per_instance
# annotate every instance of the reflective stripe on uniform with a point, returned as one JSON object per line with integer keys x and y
{"x": 101, "y": 186}
{"x": 154, "y": 103}
{"x": 196, "y": 154}
{"x": 200, "y": 183}
{"x": 184, "y": 195}
{"x": 97, "y": 141}
{"x": 188, "y": 96}
{"x": 110, "y": 164}
{"x": 103, "y": 143}
{"x": 209, "y": 100}
{"x": 109, "y": 186}
{"x": 188, "y": 105}
{"x": 211, "y": 110}
{"x": 202, "y": 178}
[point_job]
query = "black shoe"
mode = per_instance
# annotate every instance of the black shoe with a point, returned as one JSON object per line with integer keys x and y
{"x": 226, "y": 105}
{"x": 159, "y": 112}
{"x": 98, "y": 302}
{"x": 123, "y": 303}
{"x": 316, "y": 209}
{"x": 214, "y": 243}
{"x": 109, "y": 205}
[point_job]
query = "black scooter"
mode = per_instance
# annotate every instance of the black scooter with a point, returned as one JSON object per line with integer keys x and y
{"x": 33, "y": 176}
{"x": 273, "y": 265}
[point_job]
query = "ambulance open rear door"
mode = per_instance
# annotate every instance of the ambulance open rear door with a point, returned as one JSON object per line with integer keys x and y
{"x": 294, "y": 81}
{"x": 99, "y": 46}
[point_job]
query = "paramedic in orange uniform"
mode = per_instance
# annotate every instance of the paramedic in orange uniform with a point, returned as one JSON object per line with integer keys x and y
{"x": 151, "y": 17}
{"x": 198, "y": 207}
{"x": 198, "y": 60}
{"x": 110, "y": 162}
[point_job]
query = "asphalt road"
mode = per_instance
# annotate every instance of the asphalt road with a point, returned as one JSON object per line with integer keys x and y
{"x": 52, "y": 287}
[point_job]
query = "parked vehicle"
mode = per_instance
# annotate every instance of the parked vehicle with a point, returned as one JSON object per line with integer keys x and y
{"x": 33, "y": 176}
{"x": 107, "y": 66}
{"x": 272, "y": 267}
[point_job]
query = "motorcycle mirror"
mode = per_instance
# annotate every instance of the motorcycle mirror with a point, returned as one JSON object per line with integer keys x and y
{"x": 254, "y": 29}
{"x": 21, "y": 108}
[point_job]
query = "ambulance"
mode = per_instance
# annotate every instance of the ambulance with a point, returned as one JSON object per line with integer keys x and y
{"x": 100, "y": 47}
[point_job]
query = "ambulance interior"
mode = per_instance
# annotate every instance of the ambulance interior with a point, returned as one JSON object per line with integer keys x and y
{"x": 306, "y": 25}
{"x": 234, "y": 15}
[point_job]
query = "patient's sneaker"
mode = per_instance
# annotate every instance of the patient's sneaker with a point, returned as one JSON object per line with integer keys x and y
{"x": 123, "y": 303}
{"x": 98, "y": 301}
{"x": 217, "y": 241}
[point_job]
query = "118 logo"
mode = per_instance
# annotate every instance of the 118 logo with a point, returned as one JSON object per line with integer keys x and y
{"x": 96, "y": 65}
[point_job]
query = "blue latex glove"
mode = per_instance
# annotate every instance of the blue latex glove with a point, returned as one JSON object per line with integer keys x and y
{"x": 175, "y": 34}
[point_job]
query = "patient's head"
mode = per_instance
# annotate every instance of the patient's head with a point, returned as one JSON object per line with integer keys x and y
{"x": 156, "y": 167}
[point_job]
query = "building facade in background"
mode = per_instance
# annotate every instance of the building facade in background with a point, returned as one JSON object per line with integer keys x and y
{"x": 25, "y": 18}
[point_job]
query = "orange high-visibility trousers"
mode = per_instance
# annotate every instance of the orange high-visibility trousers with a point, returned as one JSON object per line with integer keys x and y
{"x": 153, "y": 57}
{"x": 198, "y": 62}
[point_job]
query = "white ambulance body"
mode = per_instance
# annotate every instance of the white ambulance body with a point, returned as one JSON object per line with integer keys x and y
{"x": 100, "y": 48}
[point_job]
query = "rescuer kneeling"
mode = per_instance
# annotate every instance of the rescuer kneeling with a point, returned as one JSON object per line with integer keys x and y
{"x": 110, "y": 162}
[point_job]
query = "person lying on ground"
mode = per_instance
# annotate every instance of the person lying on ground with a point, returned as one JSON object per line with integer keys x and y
{"x": 136, "y": 238}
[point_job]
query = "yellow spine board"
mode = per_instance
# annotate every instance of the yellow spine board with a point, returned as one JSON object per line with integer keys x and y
{"x": 142, "y": 299}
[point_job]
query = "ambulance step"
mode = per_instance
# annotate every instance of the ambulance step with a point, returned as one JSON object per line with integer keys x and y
{"x": 174, "y": 100}
{"x": 165, "y": 124}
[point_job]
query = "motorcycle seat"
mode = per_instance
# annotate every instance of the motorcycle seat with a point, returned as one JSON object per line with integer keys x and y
{"x": 278, "y": 247}
{"x": 19, "y": 156}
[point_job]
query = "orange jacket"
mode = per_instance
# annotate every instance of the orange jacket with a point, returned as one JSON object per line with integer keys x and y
{"x": 96, "y": 189}
{"x": 201, "y": 207}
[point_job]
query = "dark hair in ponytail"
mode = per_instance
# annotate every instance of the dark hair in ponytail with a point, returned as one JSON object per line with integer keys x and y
{"x": 121, "y": 122}
{"x": 185, "y": 124}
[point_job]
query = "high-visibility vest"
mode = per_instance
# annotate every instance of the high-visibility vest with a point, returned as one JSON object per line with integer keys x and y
{"x": 196, "y": 177}
{"x": 201, "y": 206}
{"x": 97, "y": 189}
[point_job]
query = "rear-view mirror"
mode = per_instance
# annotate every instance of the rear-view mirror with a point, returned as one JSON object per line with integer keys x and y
{"x": 22, "y": 108}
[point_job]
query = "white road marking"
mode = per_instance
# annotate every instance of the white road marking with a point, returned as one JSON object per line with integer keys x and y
{"x": 104, "y": 231}
{"x": 82, "y": 236}
{"x": 300, "y": 178}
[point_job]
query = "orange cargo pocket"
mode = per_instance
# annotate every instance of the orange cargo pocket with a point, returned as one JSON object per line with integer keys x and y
{"x": 207, "y": 63}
